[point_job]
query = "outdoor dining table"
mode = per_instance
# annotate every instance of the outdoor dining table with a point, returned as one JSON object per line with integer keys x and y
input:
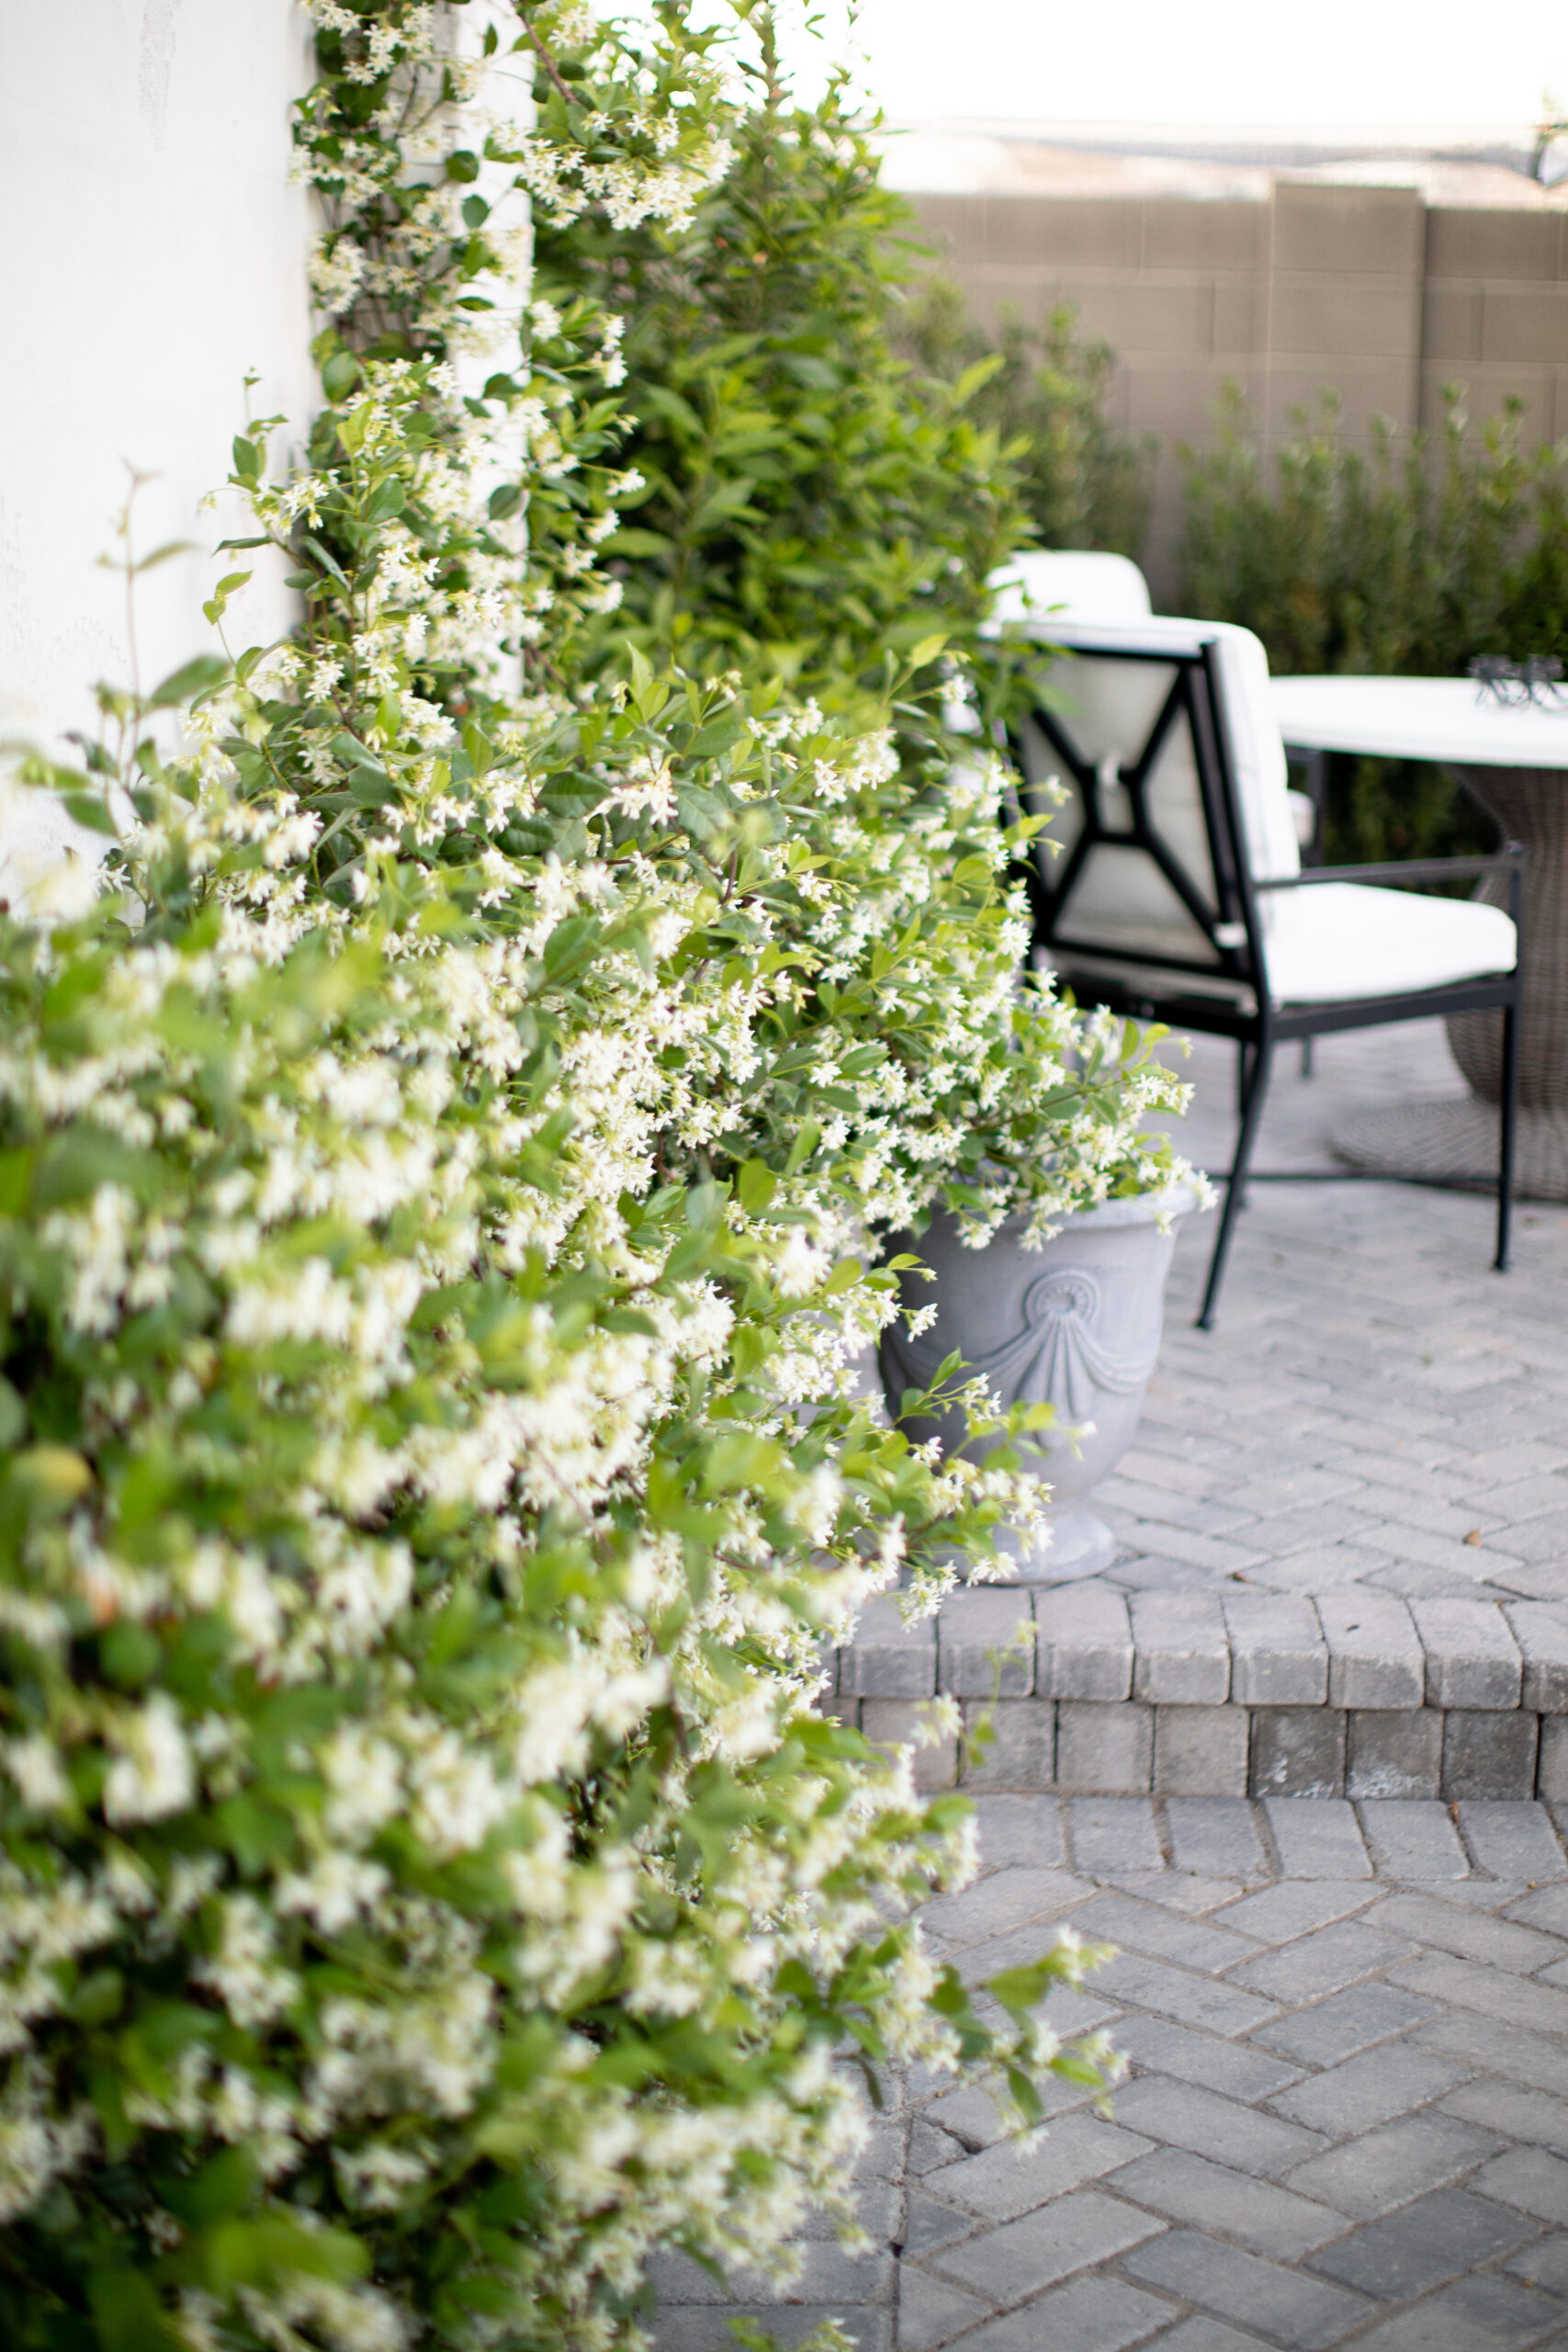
{"x": 1512, "y": 758}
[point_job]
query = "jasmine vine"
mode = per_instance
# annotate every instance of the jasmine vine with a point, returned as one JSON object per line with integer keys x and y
{"x": 442, "y": 1160}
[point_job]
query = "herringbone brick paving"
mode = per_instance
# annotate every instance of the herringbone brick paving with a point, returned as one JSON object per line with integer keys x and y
{"x": 1344, "y": 2120}
{"x": 1375, "y": 1406}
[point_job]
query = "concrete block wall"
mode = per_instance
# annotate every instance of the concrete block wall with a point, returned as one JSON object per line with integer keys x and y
{"x": 1357, "y": 1694}
{"x": 1367, "y": 291}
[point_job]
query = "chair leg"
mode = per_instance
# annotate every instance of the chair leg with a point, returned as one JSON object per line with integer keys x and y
{"x": 1306, "y": 1056}
{"x": 1235, "y": 1187}
{"x": 1507, "y": 1122}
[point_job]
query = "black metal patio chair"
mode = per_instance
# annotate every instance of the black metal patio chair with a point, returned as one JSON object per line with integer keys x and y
{"x": 1166, "y": 880}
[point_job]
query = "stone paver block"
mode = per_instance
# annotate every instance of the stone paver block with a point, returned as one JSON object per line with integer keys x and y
{"x": 1346, "y": 2022}
{"x": 1008, "y": 2179}
{"x": 1022, "y": 2256}
{"x": 1430, "y": 2242}
{"x": 1552, "y": 1763}
{"x": 1513, "y": 2111}
{"x": 1118, "y": 1917}
{"x": 890, "y": 1660}
{"x": 1278, "y": 1914}
{"x": 1531, "y": 2058}
{"x": 1389, "y": 2168}
{"x": 1306, "y": 2314}
{"x": 1020, "y": 1749}
{"x": 1083, "y": 1642}
{"x": 1472, "y": 1659}
{"x": 1320, "y": 1963}
{"x": 1025, "y": 1830}
{"x": 1369, "y": 2089}
{"x": 1104, "y": 1746}
{"x": 1215, "y": 1836}
{"x": 1201, "y": 1751}
{"x": 1490, "y": 1755}
{"x": 1410, "y": 1839}
{"x": 898, "y": 1722}
{"x": 998, "y": 1902}
{"x": 1529, "y": 2179}
{"x": 1488, "y": 2313}
{"x": 1469, "y": 1935}
{"x": 1183, "y": 2115}
{"x": 1100, "y": 2314}
{"x": 1375, "y": 1658}
{"x": 1181, "y": 1656}
{"x": 1191, "y": 1998}
{"x": 975, "y": 1634}
{"x": 1212, "y": 2197}
{"x": 931, "y": 2311}
{"x": 1396, "y": 1752}
{"x": 1544, "y": 2264}
{"x": 1317, "y": 1837}
{"x": 1238, "y": 2070}
{"x": 1279, "y": 1657}
{"x": 1540, "y": 1629}
{"x": 1298, "y": 1752}
{"x": 1470, "y": 1985}
{"x": 1114, "y": 1834}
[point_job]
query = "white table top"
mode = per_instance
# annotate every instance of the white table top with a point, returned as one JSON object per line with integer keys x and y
{"x": 1419, "y": 719}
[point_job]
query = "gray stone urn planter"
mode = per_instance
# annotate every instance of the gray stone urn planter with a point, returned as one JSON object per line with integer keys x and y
{"x": 1076, "y": 1325}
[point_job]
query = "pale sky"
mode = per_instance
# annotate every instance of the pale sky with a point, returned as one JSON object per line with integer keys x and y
{"x": 1323, "y": 63}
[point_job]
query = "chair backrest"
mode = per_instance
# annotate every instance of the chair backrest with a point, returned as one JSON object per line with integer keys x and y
{"x": 1174, "y": 802}
{"x": 1077, "y": 584}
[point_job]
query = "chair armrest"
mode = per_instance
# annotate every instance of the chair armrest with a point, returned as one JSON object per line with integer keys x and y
{"x": 1510, "y": 859}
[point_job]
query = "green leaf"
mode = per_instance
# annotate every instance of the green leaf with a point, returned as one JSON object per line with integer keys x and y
{"x": 194, "y": 678}
{"x": 756, "y": 1185}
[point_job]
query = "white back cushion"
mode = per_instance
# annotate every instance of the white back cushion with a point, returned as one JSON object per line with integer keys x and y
{"x": 1078, "y": 583}
{"x": 1117, "y": 713}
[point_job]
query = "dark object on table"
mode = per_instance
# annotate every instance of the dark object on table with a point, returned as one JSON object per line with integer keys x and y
{"x": 1539, "y": 680}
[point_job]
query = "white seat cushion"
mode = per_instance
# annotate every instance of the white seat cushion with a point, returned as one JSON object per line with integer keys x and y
{"x": 1077, "y": 584}
{"x": 1334, "y": 941}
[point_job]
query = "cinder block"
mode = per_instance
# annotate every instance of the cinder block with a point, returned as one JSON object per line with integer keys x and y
{"x": 1472, "y": 1660}
{"x": 1540, "y": 1629}
{"x": 1375, "y": 1658}
{"x": 1450, "y": 326}
{"x": 974, "y": 1631}
{"x": 1344, "y": 229}
{"x": 1480, "y": 242}
{"x": 1297, "y": 1752}
{"x": 1395, "y": 1752}
{"x": 1021, "y": 1753}
{"x": 1552, "y": 1770}
{"x": 889, "y": 1660}
{"x": 1201, "y": 1751}
{"x": 1083, "y": 1643}
{"x": 1180, "y": 1654}
{"x": 895, "y": 1723}
{"x": 1277, "y": 1655}
{"x": 1103, "y": 1748}
{"x": 1201, "y": 234}
{"x": 1524, "y": 323}
{"x": 1489, "y": 1753}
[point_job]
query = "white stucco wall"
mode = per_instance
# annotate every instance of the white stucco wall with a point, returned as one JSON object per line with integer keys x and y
{"x": 152, "y": 252}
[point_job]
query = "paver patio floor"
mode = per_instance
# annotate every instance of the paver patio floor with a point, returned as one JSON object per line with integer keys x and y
{"x": 1347, "y": 2118}
{"x": 1375, "y": 1404}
